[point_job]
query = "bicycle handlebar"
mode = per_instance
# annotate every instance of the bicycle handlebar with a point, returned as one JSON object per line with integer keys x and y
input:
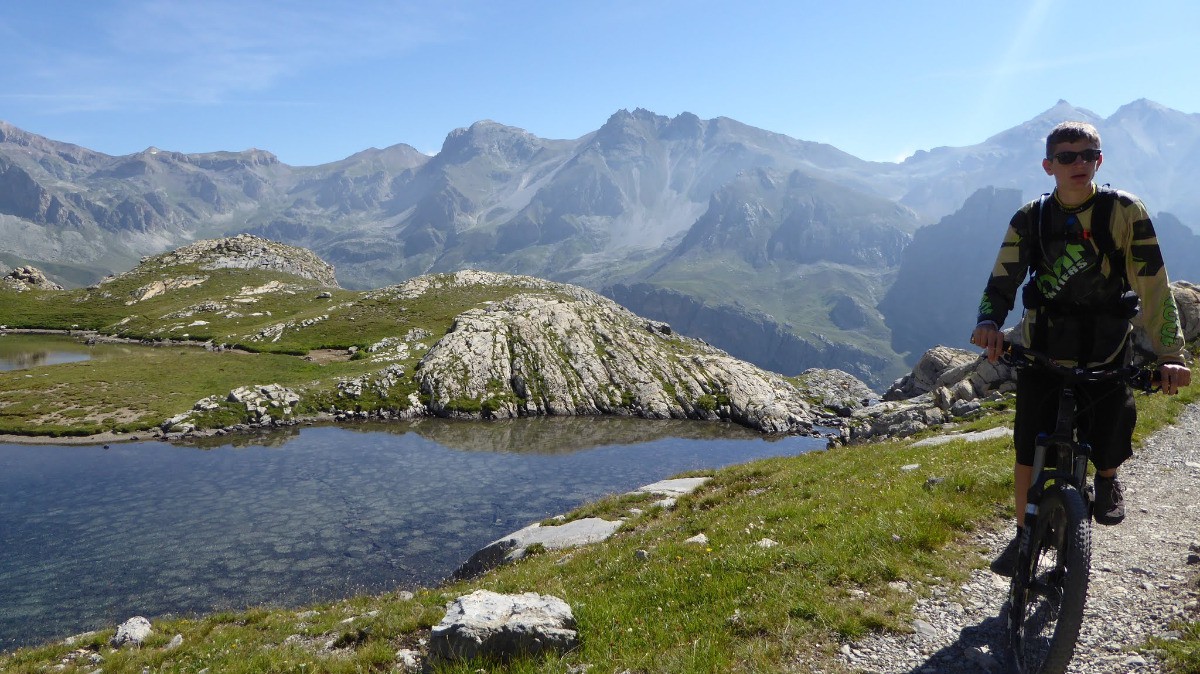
{"x": 1140, "y": 378}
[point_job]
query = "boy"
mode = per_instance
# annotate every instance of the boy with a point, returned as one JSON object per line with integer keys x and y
{"x": 1078, "y": 311}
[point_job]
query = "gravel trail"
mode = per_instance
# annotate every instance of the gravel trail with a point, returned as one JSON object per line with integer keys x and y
{"x": 1142, "y": 579}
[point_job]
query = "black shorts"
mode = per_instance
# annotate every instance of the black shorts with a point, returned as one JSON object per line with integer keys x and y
{"x": 1105, "y": 411}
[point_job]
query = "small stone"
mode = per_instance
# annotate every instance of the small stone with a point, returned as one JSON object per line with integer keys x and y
{"x": 766, "y": 543}
{"x": 910, "y": 467}
{"x": 924, "y": 629}
{"x": 698, "y": 539}
{"x": 408, "y": 660}
{"x": 1135, "y": 661}
{"x": 175, "y": 642}
{"x": 641, "y": 555}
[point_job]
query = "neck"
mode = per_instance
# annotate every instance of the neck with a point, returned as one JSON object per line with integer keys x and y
{"x": 1073, "y": 198}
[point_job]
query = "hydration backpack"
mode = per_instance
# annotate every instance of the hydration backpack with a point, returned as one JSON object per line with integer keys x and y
{"x": 1080, "y": 332}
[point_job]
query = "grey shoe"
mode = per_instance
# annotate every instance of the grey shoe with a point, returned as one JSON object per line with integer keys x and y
{"x": 1110, "y": 500}
{"x": 1006, "y": 563}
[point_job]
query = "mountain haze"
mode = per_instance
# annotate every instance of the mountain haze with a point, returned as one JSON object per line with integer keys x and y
{"x": 760, "y": 243}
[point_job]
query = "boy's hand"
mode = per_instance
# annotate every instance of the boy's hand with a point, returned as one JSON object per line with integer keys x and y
{"x": 991, "y": 339}
{"x": 1173, "y": 376}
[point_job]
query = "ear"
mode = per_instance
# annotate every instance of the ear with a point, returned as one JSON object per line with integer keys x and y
{"x": 1099, "y": 161}
{"x": 1046, "y": 165}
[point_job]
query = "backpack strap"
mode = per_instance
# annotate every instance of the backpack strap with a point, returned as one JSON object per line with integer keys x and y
{"x": 1102, "y": 211}
{"x": 1031, "y": 296}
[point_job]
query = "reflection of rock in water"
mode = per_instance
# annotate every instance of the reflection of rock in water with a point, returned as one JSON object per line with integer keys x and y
{"x": 559, "y": 435}
{"x": 26, "y": 359}
{"x": 273, "y": 438}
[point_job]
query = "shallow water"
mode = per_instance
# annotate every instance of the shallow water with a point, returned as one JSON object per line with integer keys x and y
{"x": 22, "y": 352}
{"x": 90, "y": 537}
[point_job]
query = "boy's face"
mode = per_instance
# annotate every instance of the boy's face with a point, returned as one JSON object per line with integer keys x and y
{"x": 1077, "y": 176}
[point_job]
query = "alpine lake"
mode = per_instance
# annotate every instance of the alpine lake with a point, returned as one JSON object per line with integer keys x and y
{"x": 91, "y": 535}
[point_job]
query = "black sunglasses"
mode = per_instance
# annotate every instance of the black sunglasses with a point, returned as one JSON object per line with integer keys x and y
{"x": 1069, "y": 156}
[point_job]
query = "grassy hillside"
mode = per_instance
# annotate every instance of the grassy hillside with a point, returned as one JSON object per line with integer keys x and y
{"x": 277, "y": 329}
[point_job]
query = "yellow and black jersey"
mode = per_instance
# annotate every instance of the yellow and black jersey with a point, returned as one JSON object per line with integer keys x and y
{"x": 1076, "y": 285}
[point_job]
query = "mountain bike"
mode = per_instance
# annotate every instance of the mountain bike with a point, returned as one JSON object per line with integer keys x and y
{"x": 1049, "y": 587}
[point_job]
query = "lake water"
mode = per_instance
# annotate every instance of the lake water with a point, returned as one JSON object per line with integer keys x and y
{"x": 23, "y": 351}
{"x": 90, "y": 536}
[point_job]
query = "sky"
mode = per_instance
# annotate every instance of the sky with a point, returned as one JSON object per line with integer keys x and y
{"x": 316, "y": 81}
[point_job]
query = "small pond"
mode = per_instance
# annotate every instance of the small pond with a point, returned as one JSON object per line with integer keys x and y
{"x": 91, "y": 536}
{"x": 24, "y": 351}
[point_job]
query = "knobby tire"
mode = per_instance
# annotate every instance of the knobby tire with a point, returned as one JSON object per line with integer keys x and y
{"x": 1044, "y": 621}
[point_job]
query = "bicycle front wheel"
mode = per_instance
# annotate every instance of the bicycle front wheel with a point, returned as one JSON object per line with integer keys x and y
{"x": 1047, "y": 598}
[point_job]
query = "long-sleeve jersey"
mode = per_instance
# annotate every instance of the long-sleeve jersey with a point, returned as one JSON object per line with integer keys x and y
{"x": 1072, "y": 271}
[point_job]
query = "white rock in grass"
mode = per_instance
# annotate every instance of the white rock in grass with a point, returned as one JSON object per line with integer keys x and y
{"x": 133, "y": 631}
{"x": 483, "y": 624}
{"x": 698, "y": 539}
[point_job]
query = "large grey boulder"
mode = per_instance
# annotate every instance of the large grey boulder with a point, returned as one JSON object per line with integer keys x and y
{"x": 927, "y": 372}
{"x": 133, "y": 631}
{"x": 513, "y": 546}
{"x": 485, "y": 623}
{"x": 28, "y": 278}
{"x": 584, "y": 531}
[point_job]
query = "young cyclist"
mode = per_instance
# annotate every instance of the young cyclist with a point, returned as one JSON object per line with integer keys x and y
{"x": 1085, "y": 248}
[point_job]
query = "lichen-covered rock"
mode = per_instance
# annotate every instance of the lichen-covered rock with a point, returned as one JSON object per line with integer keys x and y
{"x": 563, "y": 350}
{"x": 928, "y": 370}
{"x": 246, "y": 251}
{"x": 500, "y": 626}
{"x": 836, "y": 390}
{"x": 133, "y": 631}
{"x": 28, "y": 278}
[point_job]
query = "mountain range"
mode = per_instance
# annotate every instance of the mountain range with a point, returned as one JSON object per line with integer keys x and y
{"x": 788, "y": 253}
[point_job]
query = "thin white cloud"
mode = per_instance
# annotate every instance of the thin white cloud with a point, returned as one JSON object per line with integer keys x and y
{"x": 145, "y": 53}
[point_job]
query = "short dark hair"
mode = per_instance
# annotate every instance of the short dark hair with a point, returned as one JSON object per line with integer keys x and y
{"x": 1069, "y": 132}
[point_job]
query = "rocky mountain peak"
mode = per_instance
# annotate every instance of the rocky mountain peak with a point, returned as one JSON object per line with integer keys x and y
{"x": 246, "y": 251}
{"x": 488, "y": 138}
{"x": 225, "y": 161}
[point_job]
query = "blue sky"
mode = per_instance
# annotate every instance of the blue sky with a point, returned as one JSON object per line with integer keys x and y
{"x": 316, "y": 81}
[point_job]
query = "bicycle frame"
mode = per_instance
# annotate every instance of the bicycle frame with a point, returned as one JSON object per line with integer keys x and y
{"x": 1071, "y": 456}
{"x": 1057, "y": 591}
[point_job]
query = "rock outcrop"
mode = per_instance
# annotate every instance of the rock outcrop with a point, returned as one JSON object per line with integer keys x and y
{"x": 569, "y": 351}
{"x": 246, "y": 251}
{"x": 28, "y": 278}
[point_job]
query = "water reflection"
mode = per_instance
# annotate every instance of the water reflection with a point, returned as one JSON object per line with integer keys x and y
{"x": 89, "y": 537}
{"x": 22, "y": 352}
{"x": 540, "y": 435}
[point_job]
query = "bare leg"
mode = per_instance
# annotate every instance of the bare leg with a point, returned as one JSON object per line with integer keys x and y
{"x": 1022, "y": 476}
